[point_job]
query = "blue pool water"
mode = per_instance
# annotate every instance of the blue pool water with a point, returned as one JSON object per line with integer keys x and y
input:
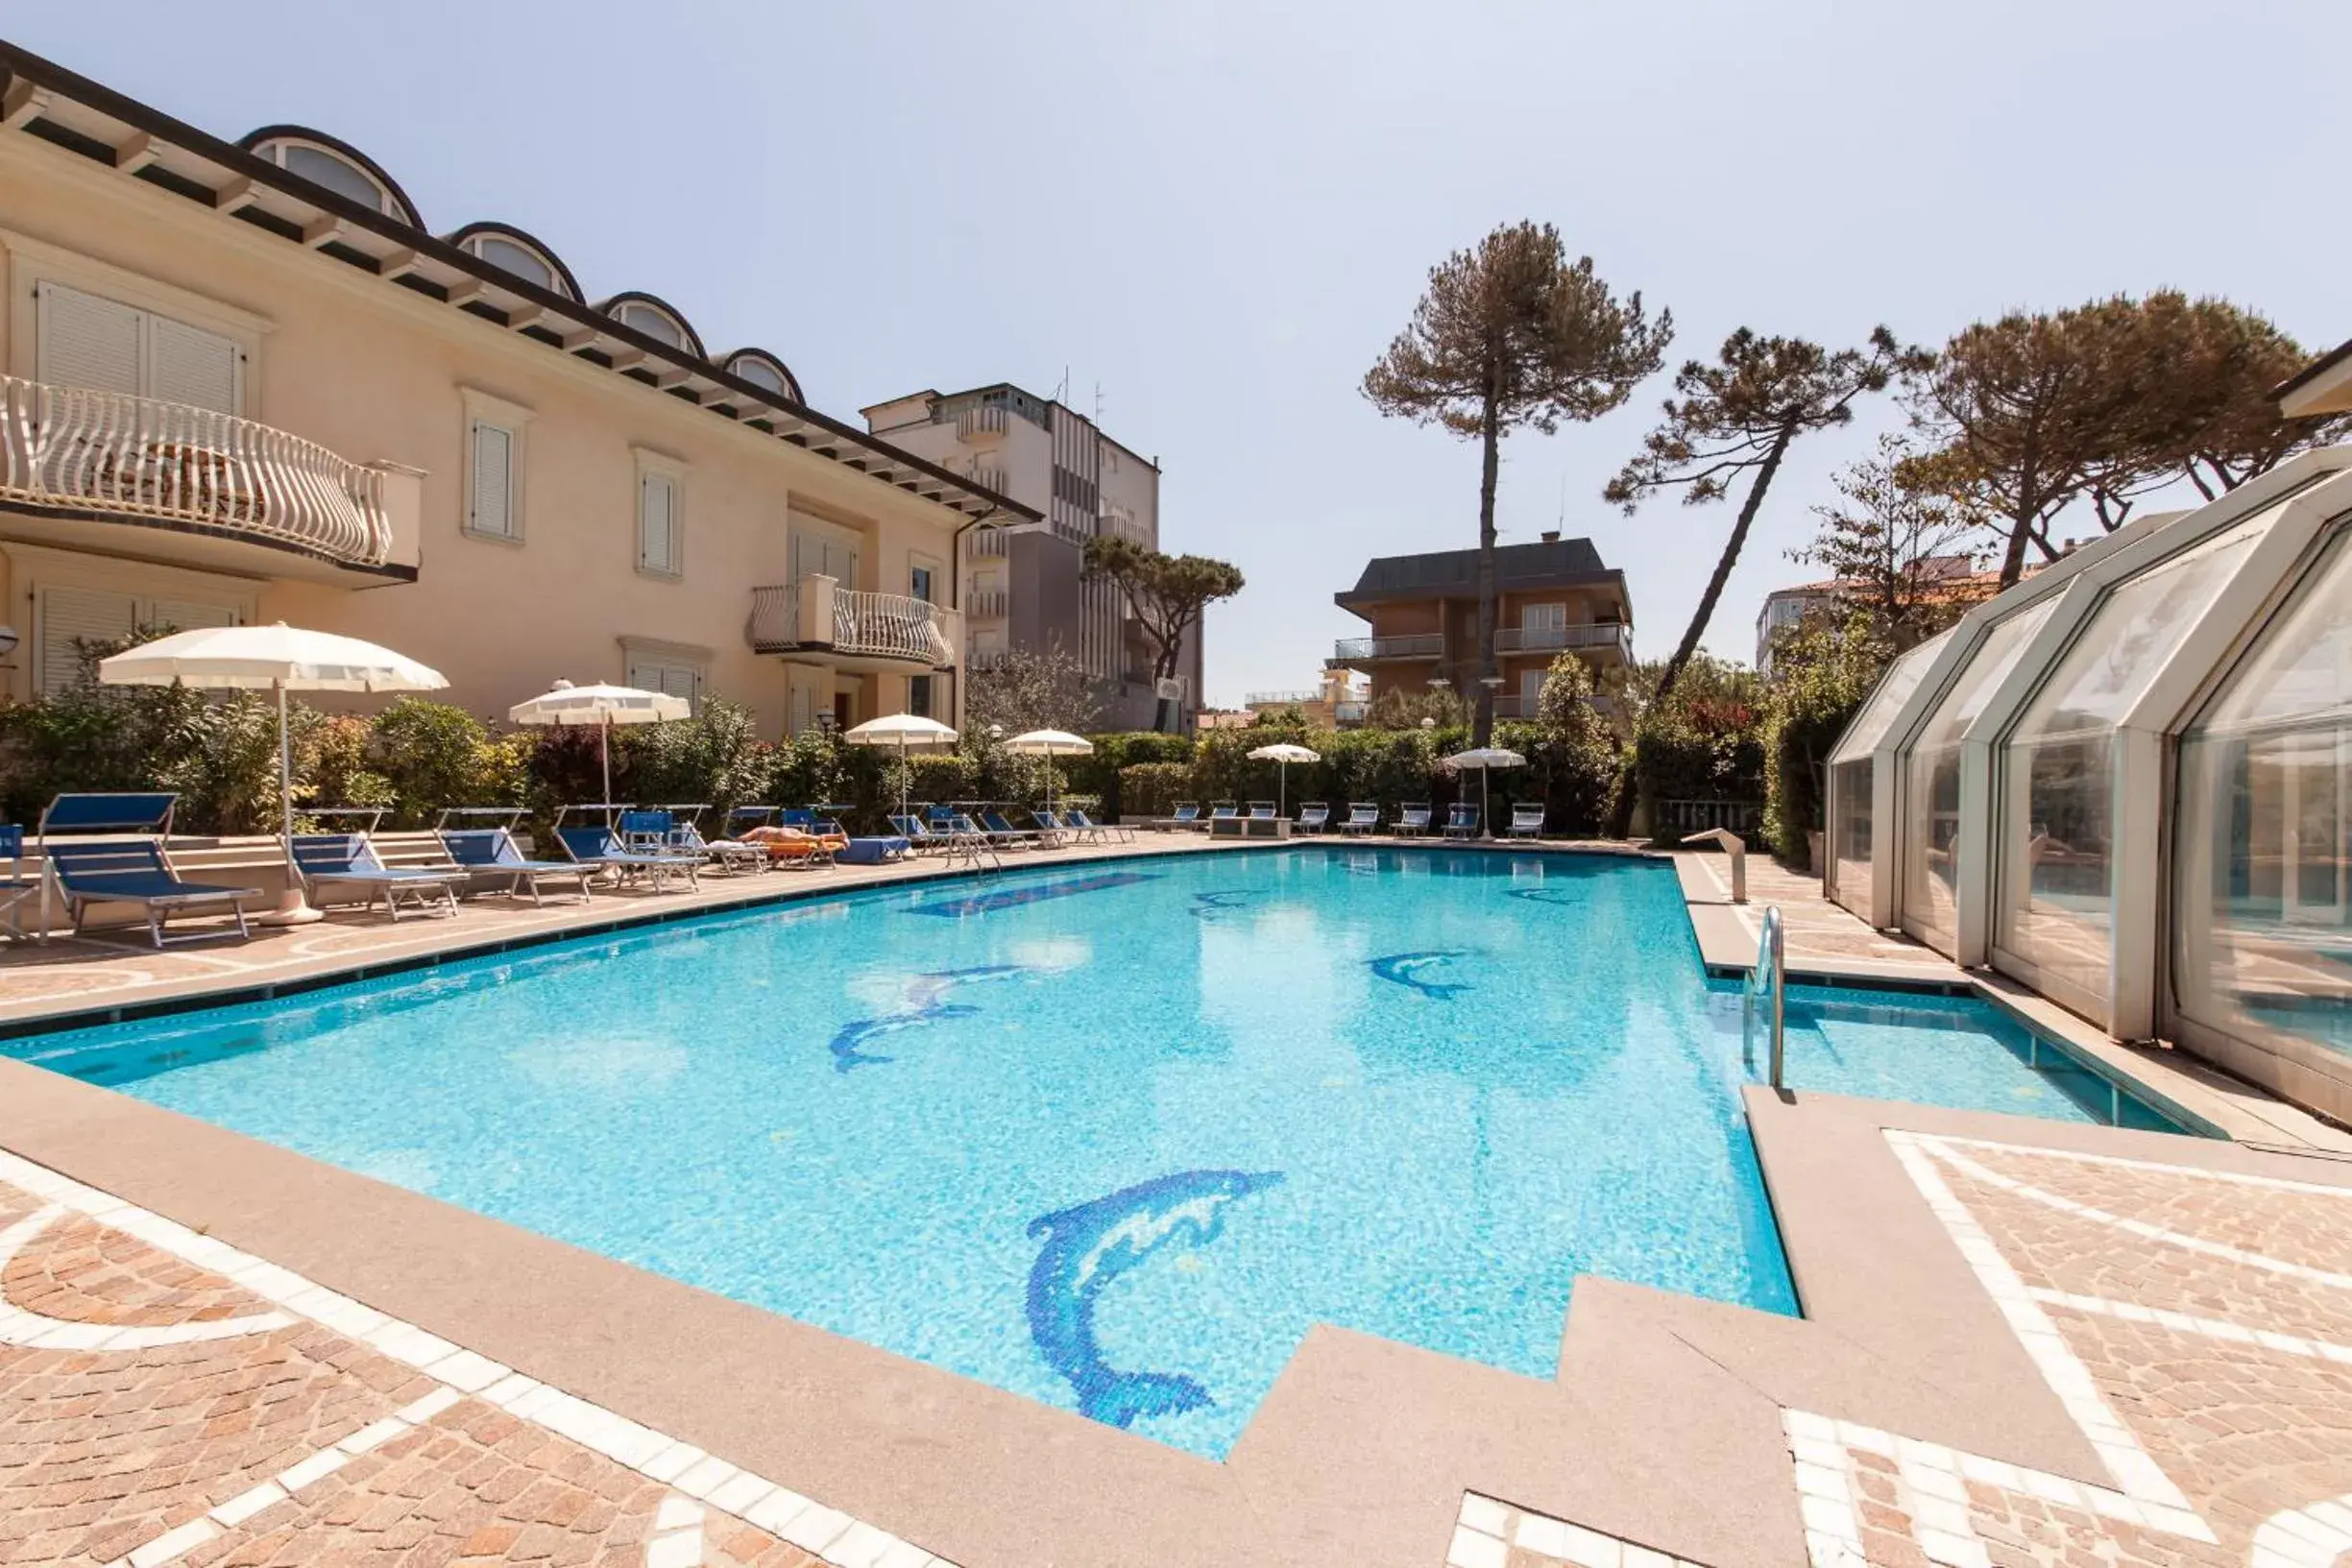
{"x": 1112, "y": 1138}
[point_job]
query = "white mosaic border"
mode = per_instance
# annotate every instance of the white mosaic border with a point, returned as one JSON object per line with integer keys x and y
{"x": 825, "y": 1532}
{"x": 1483, "y": 1539}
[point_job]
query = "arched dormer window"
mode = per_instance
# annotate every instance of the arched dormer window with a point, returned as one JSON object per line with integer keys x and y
{"x": 765, "y": 371}
{"x": 332, "y": 165}
{"x": 643, "y": 313}
{"x": 513, "y": 252}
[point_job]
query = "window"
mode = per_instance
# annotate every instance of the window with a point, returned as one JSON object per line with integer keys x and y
{"x": 1544, "y": 617}
{"x": 659, "y": 551}
{"x": 918, "y": 695}
{"x": 490, "y": 504}
{"x": 919, "y": 585}
{"x": 512, "y": 256}
{"x": 765, "y": 372}
{"x": 824, "y": 549}
{"x": 333, "y": 171}
{"x": 70, "y": 616}
{"x": 1854, "y": 772}
{"x": 85, "y": 340}
{"x": 2054, "y": 908}
{"x": 652, "y": 321}
{"x": 665, "y": 674}
{"x": 1932, "y": 796}
{"x": 2262, "y": 924}
{"x": 494, "y": 466}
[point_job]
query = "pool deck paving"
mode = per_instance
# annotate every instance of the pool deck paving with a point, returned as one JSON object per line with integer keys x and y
{"x": 2024, "y": 1344}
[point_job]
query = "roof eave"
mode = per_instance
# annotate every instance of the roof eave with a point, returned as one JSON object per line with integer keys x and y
{"x": 30, "y": 76}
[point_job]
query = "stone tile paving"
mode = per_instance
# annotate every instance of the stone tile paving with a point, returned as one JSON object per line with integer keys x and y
{"x": 167, "y": 1401}
{"x": 2197, "y": 1325}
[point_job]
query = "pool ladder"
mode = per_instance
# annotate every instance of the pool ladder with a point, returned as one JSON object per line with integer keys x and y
{"x": 1767, "y": 990}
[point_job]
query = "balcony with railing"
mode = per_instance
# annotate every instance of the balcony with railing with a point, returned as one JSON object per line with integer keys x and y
{"x": 1597, "y": 636}
{"x": 988, "y": 544}
{"x": 981, "y": 425}
{"x": 1351, "y": 650}
{"x": 987, "y": 603}
{"x": 113, "y": 458}
{"x": 860, "y": 631}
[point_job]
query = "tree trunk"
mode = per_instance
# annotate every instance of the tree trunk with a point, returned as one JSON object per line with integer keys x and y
{"x": 1672, "y": 674}
{"x": 2013, "y": 562}
{"x": 1482, "y": 723}
{"x": 1688, "y": 649}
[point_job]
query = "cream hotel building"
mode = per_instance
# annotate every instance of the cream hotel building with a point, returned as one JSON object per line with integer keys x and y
{"x": 246, "y": 382}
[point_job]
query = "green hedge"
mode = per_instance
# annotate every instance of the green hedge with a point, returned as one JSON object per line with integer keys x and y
{"x": 1151, "y": 789}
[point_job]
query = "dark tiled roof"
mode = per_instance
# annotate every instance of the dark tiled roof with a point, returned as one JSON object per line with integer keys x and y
{"x": 1455, "y": 572}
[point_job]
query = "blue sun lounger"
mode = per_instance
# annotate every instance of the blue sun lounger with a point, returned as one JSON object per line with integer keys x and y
{"x": 1462, "y": 820}
{"x": 340, "y": 863}
{"x": 491, "y": 855}
{"x": 595, "y": 845}
{"x": 133, "y": 872}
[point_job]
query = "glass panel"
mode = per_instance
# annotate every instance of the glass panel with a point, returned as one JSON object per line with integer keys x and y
{"x": 759, "y": 373}
{"x": 2057, "y": 811}
{"x": 654, "y": 324}
{"x": 344, "y": 177}
{"x": 1931, "y": 778}
{"x": 2263, "y": 932}
{"x": 1895, "y": 689}
{"x": 509, "y": 257}
{"x": 1850, "y": 834}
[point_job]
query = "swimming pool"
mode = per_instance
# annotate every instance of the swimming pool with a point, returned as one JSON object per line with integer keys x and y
{"x": 1112, "y": 1136}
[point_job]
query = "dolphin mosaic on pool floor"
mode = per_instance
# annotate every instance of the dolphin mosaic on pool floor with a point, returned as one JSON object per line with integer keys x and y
{"x": 167, "y": 1401}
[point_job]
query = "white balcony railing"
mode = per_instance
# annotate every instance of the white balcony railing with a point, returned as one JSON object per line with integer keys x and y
{"x": 987, "y": 603}
{"x": 986, "y": 543}
{"x": 1558, "y": 638}
{"x": 817, "y": 613}
{"x": 110, "y": 454}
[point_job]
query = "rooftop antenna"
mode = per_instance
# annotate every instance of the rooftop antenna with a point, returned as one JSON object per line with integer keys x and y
{"x": 1098, "y": 404}
{"x": 1061, "y": 393}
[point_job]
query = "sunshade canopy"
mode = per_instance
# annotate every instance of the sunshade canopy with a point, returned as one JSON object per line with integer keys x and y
{"x": 227, "y": 657}
{"x": 567, "y": 704}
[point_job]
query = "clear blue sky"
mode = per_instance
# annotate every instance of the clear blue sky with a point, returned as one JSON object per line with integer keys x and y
{"x": 1220, "y": 212}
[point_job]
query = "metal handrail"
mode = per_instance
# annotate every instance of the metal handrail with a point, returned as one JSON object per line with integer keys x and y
{"x": 110, "y": 452}
{"x": 1768, "y": 979}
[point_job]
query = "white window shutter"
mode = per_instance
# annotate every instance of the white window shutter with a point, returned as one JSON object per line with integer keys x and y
{"x": 657, "y": 534}
{"x": 84, "y": 341}
{"x": 68, "y": 613}
{"x": 189, "y": 365}
{"x": 490, "y": 508}
{"x": 186, "y": 616}
{"x": 682, "y": 680}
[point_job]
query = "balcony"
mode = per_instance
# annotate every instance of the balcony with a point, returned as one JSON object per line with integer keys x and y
{"x": 986, "y": 543}
{"x": 981, "y": 426}
{"x": 1281, "y": 699}
{"x": 1600, "y": 636}
{"x": 858, "y": 631}
{"x": 1350, "y": 713}
{"x": 1351, "y": 650}
{"x": 71, "y": 452}
{"x": 987, "y": 603}
{"x": 1514, "y": 706}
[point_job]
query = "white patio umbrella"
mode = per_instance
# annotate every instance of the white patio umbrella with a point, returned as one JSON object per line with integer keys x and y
{"x": 603, "y": 706}
{"x": 904, "y": 733}
{"x": 1483, "y": 758}
{"x": 1048, "y": 744}
{"x": 281, "y": 659}
{"x": 1284, "y": 754}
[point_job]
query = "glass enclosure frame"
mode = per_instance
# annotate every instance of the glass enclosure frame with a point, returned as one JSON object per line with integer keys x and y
{"x": 1901, "y": 744}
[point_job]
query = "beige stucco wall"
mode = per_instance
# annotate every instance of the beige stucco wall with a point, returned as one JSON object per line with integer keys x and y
{"x": 377, "y": 372}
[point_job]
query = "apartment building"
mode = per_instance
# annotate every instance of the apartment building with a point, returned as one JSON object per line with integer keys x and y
{"x": 1551, "y": 596}
{"x": 1027, "y": 590}
{"x": 1953, "y": 577}
{"x": 245, "y": 381}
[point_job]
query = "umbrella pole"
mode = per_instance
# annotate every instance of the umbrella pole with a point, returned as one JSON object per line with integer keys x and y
{"x": 293, "y": 910}
{"x": 605, "y": 751}
{"x": 1485, "y": 823}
